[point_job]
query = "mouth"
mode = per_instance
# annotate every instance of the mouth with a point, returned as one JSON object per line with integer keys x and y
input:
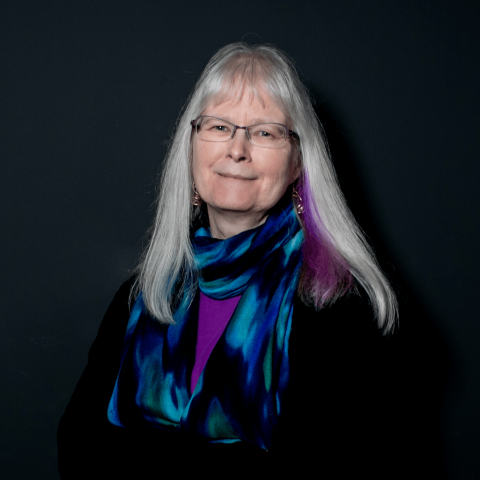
{"x": 236, "y": 177}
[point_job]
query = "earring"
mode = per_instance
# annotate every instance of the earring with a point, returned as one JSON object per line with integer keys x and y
{"x": 196, "y": 200}
{"x": 299, "y": 204}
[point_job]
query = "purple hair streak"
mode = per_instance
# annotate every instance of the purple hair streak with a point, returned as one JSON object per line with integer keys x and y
{"x": 326, "y": 274}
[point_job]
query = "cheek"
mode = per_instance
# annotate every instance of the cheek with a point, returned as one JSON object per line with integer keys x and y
{"x": 284, "y": 172}
{"x": 202, "y": 161}
{"x": 295, "y": 166}
{"x": 198, "y": 163}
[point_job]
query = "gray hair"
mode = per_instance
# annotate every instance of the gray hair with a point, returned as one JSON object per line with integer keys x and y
{"x": 334, "y": 251}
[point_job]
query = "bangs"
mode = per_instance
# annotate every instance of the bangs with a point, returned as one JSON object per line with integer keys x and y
{"x": 242, "y": 73}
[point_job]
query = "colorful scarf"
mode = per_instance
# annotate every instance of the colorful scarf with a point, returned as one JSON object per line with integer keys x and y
{"x": 238, "y": 395}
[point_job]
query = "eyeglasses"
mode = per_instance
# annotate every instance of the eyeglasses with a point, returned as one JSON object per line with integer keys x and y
{"x": 269, "y": 135}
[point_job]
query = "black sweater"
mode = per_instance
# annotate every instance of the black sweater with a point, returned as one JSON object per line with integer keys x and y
{"x": 338, "y": 419}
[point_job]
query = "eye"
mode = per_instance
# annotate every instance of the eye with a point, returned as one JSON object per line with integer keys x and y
{"x": 267, "y": 131}
{"x": 221, "y": 128}
{"x": 216, "y": 125}
{"x": 263, "y": 133}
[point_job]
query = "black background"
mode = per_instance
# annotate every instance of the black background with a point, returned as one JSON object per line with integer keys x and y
{"x": 89, "y": 95}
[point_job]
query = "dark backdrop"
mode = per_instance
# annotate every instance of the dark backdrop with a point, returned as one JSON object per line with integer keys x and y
{"x": 89, "y": 94}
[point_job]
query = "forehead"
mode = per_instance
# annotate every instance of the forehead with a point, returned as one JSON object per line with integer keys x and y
{"x": 246, "y": 102}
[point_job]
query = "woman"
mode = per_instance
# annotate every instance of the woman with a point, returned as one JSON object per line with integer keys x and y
{"x": 252, "y": 330}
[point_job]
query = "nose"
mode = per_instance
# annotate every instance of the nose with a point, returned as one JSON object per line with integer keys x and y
{"x": 239, "y": 146}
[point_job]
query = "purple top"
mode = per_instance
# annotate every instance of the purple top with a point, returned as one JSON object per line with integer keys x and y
{"x": 213, "y": 317}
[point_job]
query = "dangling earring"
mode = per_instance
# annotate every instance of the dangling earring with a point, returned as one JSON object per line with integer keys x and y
{"x": 298, "y": 204}
{"x": 196, "y": 200}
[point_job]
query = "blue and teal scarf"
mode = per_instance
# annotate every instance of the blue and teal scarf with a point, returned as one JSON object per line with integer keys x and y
{"x": 238, "y": 395}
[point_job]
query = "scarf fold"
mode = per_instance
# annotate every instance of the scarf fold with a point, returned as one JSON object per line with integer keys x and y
{"x": 238, "y": 395}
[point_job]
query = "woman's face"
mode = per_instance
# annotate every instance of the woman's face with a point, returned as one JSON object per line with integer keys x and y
{"x": 237, "y": 176}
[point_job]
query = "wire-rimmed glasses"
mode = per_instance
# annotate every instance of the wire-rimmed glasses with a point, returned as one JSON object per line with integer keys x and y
{"x": 269, "y": 135}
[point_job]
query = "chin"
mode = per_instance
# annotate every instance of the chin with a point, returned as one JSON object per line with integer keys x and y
{"x": 227, "y": 201}
{"x": 234, "y": 207}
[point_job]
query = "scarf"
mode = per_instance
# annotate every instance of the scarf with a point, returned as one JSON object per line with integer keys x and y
{"x": 239, "y": 393}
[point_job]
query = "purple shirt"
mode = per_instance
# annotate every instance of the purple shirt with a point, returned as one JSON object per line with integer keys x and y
{"x": 213, "y": 317}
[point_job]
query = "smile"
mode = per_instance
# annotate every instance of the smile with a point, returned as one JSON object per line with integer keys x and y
{"x": 236, "y": 177}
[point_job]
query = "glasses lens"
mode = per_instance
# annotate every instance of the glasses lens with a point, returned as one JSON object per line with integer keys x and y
{"x": 214, "y": 129}
{"x": 267, "y": 135}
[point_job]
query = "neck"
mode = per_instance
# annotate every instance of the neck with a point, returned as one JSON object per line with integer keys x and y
{"x": 226, "y": 224}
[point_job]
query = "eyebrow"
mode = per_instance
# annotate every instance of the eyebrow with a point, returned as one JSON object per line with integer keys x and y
{"x": 254, "y": 120}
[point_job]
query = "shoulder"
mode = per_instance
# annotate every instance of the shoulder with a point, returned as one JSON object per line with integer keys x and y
{"x": 122, "y": 298}
{"x": 338, "y": 343}
{"x": 350, "y": 316}
{"x": 114, "y": 324}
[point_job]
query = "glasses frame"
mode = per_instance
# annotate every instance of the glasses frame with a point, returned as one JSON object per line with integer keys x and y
{"x": 288, "y": 132}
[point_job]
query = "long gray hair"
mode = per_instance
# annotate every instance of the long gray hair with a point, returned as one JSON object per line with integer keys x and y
{"x": 334, "y": 251}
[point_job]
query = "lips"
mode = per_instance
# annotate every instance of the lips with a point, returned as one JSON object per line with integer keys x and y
{"x": 236, "y": 177}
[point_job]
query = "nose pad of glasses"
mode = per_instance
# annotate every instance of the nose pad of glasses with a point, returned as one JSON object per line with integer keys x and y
{"x": 235, "y": 128}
